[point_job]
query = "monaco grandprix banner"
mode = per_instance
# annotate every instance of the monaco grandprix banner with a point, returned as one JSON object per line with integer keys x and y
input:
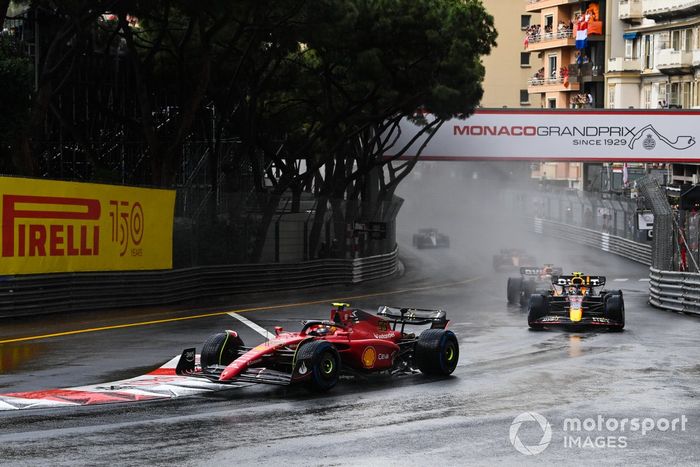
{"x": 563, "y": 135}
{"x": 52, "y": 226}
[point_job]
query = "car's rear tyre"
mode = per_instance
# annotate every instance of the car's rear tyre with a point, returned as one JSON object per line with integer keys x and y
{"x": 220, "y": 349}
{"x": 513, "y": 289}
{"x": 436, "y": 352}
{"x": 528, "y": 289}
{"x": 536, "y": 309}
{"x": 615, "y": 311}
{"x": 322, "y": 359}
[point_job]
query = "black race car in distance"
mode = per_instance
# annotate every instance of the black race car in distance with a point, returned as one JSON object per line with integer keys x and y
{"x": 577, "y": 301}
{"x": 532, "y": 280}
{"x": 430, "y": 238}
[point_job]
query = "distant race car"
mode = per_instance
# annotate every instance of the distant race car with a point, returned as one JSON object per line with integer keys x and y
{"x": 430, "y": 238}
{"x": 577, "y": 301}
{"x": 532, "y": 280}
{"x": 512, "y": 258}
{"x": 352, "y": 342}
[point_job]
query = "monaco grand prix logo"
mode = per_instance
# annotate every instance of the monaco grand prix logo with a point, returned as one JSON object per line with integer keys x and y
{"x": 649, "y": 136}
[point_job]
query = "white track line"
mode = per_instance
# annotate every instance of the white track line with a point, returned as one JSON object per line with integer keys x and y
{"x": 644, "y": 279}
{"x": 253, "y": 326}
{"x": 620, "y": 280}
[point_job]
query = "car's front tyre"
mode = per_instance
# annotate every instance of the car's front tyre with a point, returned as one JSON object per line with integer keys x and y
{"x": 536, "y": 309}
{"x": 322, "y": 360}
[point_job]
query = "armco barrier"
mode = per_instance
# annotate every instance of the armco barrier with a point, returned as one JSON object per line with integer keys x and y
{"x": 54, "y": 293}
{"x": 676, "y": 291}
{"x": 639, "y": 252}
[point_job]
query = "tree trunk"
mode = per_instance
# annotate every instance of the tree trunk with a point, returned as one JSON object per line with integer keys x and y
{"x": 317, "y": 227}
{"x": 269, "y": 211}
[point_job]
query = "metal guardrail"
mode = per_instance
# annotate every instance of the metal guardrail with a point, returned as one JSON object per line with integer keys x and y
{"x": 675, "y": 291}
{"x": 639, "y": 252}
{"x": 55, "y": 293}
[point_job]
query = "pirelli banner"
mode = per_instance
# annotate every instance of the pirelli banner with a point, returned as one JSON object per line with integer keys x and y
{"x": 562, "y": 135}
{"x": 52, "y": 226}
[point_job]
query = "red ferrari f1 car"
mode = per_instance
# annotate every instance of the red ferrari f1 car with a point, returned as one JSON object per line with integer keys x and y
{"x": 352, "y": 342}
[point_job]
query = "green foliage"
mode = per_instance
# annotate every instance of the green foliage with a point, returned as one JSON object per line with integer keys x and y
{"x": 15, "y": 92}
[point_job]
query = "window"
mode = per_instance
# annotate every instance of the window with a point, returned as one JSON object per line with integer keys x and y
{"x": 552, "y": 103}
{"x": 676, "y": 39}
{"x": 685, "y": 95}
{"x": 524, "y": 97}
{"x": 646, "y": 96}
{"x": 662, "y": 95}
{"x": 611, "y": 96}
{"x": 648, "y": 52}
{"x": 688, "y": 42}
{"x": 525, "y": 59}
{"x": 524, "y": 22}
{"x": 674, "y": 96}
{"x": 553, "y": 67}
{"x": 629, "y": 48}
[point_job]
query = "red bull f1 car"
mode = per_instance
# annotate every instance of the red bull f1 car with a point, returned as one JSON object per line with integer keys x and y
{"x": 511, "y": 259}
{"x": 577, "y": 301}
{"x": 351, "y": 342}
{"x": 532, "y": 280}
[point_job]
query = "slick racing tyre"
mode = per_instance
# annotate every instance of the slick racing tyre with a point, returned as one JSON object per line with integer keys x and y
{"x": 436, "y": 352}
{"x": 513, "y": 290}
{"x": 615, "y": 311}
{"x": 322, "y": 360}
{"x": 537, "y": 308}
{"x": 220, "y": 349}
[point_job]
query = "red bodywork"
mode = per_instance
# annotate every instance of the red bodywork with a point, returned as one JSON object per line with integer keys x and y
{"x": 364, "y": 341}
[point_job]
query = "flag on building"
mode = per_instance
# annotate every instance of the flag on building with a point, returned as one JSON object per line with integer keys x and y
{"x": 581, "y": 35}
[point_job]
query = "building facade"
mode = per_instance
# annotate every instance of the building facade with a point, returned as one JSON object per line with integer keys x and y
{"x": 507, "y": 67}
{"x": 654, "y": 60}
{"x": 568, "y": 69}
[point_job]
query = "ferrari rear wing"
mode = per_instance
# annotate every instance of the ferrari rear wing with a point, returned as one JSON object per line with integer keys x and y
{"x": 415, "y": 316}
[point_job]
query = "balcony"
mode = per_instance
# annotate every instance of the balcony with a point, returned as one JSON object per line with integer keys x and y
{"x": 695, "y": 57}
{"x": 585, "y": 73}
{"x": 551, "y": 40}
{"x": 669, "y": 9}
{"x": 618, "y": 64}
{"x": 537, "y": 5}
{"x": 674, "y": 62}
{"x": 630, "y": 11}
{"x": 542, "y": 85}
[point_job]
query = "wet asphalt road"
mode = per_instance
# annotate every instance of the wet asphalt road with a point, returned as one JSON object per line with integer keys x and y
{"x": 649, "y": 371}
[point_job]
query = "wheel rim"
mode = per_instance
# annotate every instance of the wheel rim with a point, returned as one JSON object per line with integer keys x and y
{"x": 327, "y": 366}
{"x": 450, "y": 353}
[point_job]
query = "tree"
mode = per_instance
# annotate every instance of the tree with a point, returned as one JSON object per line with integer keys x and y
{"x": 363, "y": 68}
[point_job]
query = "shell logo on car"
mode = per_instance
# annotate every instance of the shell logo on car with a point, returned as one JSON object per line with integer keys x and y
{"x": 369, "y": 357}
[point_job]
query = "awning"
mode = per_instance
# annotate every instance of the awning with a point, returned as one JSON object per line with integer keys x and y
{"x": 629, "y": 36}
